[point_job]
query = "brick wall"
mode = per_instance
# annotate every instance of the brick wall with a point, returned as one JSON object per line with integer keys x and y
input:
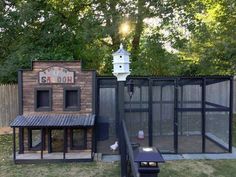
{"x": 83, "y": 79}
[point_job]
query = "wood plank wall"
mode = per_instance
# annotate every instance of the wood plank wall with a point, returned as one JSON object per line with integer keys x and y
{"x": 83, "y": 79}
{"x": 8, "y": 104}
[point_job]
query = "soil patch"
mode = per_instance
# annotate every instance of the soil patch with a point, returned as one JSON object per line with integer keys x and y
{"x": 6, "y": 130}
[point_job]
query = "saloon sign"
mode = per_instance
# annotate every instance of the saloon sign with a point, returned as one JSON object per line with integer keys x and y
{"x": 56, "y": 75}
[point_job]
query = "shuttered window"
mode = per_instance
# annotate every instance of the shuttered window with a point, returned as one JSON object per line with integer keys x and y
{"x": 71, "y": 99}
{"x": 43, "y": 99}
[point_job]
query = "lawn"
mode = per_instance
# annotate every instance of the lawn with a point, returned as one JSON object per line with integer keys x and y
{"x": 90, "y": 169}
{"x": 186, "y": 168}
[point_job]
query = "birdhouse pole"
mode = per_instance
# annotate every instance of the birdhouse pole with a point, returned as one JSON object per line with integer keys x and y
{"x": 121, "y": 70}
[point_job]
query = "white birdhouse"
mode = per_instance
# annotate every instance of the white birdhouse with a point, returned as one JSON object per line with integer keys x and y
{"x": 121, "y": 64}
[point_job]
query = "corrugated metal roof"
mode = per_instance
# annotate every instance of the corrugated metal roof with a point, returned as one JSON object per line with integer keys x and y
{"x": 53, "y": 120}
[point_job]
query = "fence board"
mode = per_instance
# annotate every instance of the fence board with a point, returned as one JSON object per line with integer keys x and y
{"x": 8, "y": 104}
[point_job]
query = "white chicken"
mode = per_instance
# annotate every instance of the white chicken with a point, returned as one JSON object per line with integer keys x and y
{"x": 114, "y": 146}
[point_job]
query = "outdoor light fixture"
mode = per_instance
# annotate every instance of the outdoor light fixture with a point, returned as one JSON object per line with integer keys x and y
{"x": 130, "y": 88}
{"x": 147, "y": 149}
{"x": 148, "y": 159}
{"x": 121, "y": 64}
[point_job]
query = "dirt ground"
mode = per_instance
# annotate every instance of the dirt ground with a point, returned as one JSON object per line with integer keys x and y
{"x": 6, "y": 130}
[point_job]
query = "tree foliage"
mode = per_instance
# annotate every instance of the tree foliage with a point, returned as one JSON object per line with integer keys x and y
{"x": 212, "y": 46}
{"x": 201, "y": 33}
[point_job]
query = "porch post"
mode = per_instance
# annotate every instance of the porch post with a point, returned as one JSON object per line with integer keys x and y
{"x": 65, "y": 143}
{"x": 21, "y": 140}
{"x": 42, "y": 143}
{"x": 49, "y": 140}
{"x": 14, "y": 144}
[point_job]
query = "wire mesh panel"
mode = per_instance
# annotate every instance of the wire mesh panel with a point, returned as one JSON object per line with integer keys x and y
{"x": 184, "y": 115}
{"x": 217, "y": 131}
{"x": 190, "y": 132}
{"x": 106, "y": 120}
{"x": 163, "y": 115}
{"x": 217, "y": 93}
{"x": 136, "y": 111}
{"x": 189, "y": 96}
{"x": 217, "y": 115}
{"x": 190, "y": 116}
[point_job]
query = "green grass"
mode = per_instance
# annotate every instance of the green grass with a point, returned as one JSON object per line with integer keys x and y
{"x": 90, "y": 169}
{"x": 185, "y": 168}
{"x": 199, "y": 168}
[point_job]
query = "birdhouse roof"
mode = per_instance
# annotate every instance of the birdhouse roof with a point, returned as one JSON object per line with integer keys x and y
{"x": 121, "y": 51}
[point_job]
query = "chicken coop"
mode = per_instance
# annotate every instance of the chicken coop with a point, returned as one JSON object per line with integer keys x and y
{"x": 175, "y": 114}
{"x": 69, "y": 114}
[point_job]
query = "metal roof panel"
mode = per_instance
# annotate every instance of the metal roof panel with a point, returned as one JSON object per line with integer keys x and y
{"x": 58, "y": 120}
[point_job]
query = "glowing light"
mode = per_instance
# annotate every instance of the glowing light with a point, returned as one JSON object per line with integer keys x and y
{"x": 147, "y": 149}
{"x": 124, "y": 28}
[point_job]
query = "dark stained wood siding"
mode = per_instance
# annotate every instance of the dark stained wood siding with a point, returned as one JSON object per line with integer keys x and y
{"x": 83, "y": 79}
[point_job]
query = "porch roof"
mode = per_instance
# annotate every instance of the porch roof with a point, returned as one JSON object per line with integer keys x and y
{"x": 53, "y": 120}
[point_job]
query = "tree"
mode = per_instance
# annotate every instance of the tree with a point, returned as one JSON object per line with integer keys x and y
{"x": 212, "y": 43}
{"x": 90, "y": 31}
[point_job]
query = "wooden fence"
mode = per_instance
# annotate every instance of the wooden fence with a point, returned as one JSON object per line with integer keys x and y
{"x": 8, "y": 104}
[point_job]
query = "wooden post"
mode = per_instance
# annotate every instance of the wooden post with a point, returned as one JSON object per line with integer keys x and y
{"x": 65, "y": 143}
{"x": 42, "y": 143}
{"x": 121, "y": 137}
{"x": 14, "y": 144}
{"x": 21, "y": 140}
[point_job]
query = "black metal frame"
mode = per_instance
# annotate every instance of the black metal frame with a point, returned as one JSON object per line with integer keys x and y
{"x": 231, "y": 102}
{"x": 176, "y": 116}
{"x": 178, "y": 82}
{"x": 203, "y": 115}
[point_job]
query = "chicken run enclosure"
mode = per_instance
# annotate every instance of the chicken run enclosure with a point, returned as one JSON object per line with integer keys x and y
{"x": 176, "y": 114}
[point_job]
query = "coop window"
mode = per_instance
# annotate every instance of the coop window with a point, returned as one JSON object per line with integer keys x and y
{"x": 78, "y": 139}
{"x": 43, "y": 99}
{"x": 35, "y": 139}
{"x": 72, "y": 99}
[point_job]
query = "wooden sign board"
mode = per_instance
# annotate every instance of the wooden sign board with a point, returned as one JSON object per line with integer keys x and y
{"x": 56, "y": 75}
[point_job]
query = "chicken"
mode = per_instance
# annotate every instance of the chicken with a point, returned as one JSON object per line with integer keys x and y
{"x": 114, "y": 146}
